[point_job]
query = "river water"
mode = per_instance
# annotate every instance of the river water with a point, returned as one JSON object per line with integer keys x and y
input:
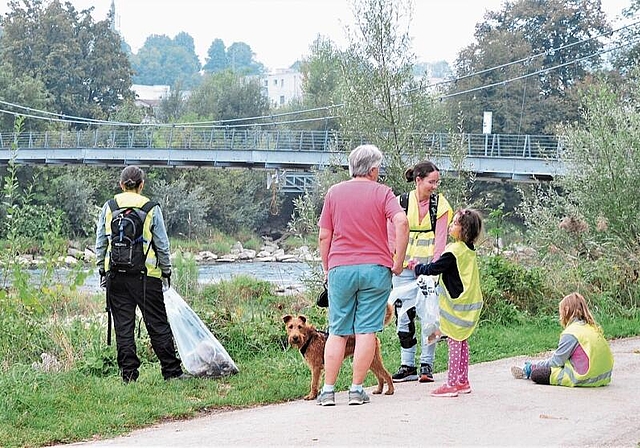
{"x": 290, "y": 275}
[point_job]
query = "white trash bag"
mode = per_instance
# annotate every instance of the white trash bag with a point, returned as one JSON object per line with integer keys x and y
{"x": 428, "y": 308}
{"x": 401, "y": 293}
{"x": 200, "y": 352}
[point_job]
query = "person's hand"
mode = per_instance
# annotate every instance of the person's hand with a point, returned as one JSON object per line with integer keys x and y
{"x": 411, "y": 264}
{"x": 166, "y": 280}
{"x": 103, "y": 278}
{"x": 397, "y": 267}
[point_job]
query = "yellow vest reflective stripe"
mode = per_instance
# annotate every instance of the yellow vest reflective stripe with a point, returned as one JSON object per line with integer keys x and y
{"x": 600, "y": 357}
{"x": 129, "y": 199}
{"x": 459, "y": 317}
{"x": 421, "y": 236}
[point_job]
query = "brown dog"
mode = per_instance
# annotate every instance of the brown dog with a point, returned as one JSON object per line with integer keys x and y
{"x": 310, "y": 342}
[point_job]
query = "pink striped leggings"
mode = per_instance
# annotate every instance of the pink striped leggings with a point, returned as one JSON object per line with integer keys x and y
{"x": 458, "y": 362}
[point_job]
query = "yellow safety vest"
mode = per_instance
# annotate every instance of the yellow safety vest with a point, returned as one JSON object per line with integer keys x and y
{"x": 421, "y": 236}
{"x": 600, "y": 357}
{"x": 459, "y": 317}
{"x": 130, "y": 199}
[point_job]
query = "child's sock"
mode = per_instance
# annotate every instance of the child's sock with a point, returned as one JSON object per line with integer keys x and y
{"x": 356, "y": 388}
{"x": 527, "y": 370}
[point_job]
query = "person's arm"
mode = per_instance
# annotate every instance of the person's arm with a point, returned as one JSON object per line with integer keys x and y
{"x": 566, "y": 345}
{"x": 161, "y": 241}
{"x": 324, "y": 244}
{"x": 401, "y": 224}
{"x": 442, "y": 230}
{"x": 102, "y": 242}
{"x": 444, "y": 264}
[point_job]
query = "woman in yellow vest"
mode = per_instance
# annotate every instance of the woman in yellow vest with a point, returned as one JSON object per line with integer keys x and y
{"x": 583, "y": 357}
{"x": 460, "y": 297}
{"x": 429, "y": 215}
{"x": 138, "y": 280}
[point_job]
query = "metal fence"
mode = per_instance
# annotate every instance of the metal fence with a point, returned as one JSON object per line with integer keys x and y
{"x": 491, "y": 145}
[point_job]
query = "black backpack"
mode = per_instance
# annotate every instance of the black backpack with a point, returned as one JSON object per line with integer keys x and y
{"x": 127, "y": 243}
{"x": 433, "y": 209}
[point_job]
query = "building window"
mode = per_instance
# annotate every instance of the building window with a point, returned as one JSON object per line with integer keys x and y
{"x": 266, "y": 83}
{"x": 282, "y": 83}
{"x": 281, "y": 100}
{"x": 275, "y": 82}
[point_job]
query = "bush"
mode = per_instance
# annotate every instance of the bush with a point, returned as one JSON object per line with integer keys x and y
{"x": 511, "y": 290}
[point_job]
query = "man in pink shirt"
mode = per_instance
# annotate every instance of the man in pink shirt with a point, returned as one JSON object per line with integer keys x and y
{"x": 358, "y": 265}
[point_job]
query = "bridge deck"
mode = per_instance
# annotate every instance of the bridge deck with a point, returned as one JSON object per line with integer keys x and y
{"x": 517, "y": 157}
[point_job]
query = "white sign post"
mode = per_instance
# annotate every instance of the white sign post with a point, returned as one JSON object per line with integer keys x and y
{"x": 486, "y": 122}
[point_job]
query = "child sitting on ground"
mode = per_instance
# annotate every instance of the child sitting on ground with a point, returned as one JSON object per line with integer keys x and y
{"x": 583, "y": 357}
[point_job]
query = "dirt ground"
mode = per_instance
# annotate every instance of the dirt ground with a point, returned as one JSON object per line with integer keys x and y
{"x": 501, "y": 411}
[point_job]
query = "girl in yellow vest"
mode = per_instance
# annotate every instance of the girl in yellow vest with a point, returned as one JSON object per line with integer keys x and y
{"x": 460, "y": 297}
{"x": 583, "y": 357}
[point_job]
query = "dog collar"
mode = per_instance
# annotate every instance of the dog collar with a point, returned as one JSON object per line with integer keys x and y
{"x": 304, "y": 348}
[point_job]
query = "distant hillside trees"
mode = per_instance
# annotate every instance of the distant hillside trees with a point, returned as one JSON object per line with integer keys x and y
{"x": 166, "y": 61}
{"x": 239, "y": 57}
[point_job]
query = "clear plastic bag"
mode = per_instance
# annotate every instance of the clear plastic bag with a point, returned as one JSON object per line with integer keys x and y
{"x": 200, "y": 352}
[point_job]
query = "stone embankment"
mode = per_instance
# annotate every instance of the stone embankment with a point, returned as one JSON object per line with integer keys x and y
{"x": 269, "y": 252}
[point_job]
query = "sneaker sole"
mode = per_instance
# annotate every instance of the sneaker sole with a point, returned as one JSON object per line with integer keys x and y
{"x": 464, "y": 391}
{"x": 405, "y": 379}
{"x": 448, "y": 394}
{"x": 517, "y": 372}
{"x": 327, "y": 403}
{"x": 357, "y": 402}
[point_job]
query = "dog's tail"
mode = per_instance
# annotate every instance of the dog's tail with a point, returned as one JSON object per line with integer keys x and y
{"x": 389, "y": 314}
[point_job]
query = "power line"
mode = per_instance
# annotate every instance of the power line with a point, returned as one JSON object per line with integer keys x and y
{"x": 538, "y": 72}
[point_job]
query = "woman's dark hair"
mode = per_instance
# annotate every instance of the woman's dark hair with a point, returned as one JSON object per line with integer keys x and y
{"x": 131, "y": 177}
{"x": 470, "y": 224}
{"x": 421, "y": 169}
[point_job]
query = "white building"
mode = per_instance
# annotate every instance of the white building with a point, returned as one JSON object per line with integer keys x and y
{"x": 282, "y": 86}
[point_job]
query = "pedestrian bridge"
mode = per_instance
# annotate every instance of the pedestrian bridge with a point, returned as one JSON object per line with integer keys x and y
{"x": 291, "y": 156}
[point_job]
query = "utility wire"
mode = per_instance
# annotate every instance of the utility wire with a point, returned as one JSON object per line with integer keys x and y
{"x": 538, "y": 72}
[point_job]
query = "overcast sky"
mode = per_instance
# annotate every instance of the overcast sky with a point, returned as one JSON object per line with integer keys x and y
{"x": 280, "y": 31}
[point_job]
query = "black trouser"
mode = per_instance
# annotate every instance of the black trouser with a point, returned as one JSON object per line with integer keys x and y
{"x": 125, "y": 293}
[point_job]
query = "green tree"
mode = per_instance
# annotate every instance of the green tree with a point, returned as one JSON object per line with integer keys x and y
{"x": 321, "y": 74}
{"x": 383, "y": 102}
{"x": 80, "y": 62}
{"x": 217, "y": 59}
{"x": 228, "y": 95}
{"x": 627, "y": 57}
{"x": 556, "y": 46}
{"x": 514, "y": 105}
{"x": 241, "y": 59}
{"x": 166, "y": 61}
{"x": 23, "y": 90}
{"x": 236, "y": 200}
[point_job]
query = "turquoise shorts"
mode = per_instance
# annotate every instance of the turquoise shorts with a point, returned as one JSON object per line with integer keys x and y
{"x": 358, "y": 297}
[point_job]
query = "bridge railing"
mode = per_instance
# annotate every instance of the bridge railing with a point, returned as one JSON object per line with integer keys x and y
{"x": 491, "y": 145}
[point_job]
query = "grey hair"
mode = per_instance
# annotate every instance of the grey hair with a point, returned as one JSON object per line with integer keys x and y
{"x": 363, "y": 159}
